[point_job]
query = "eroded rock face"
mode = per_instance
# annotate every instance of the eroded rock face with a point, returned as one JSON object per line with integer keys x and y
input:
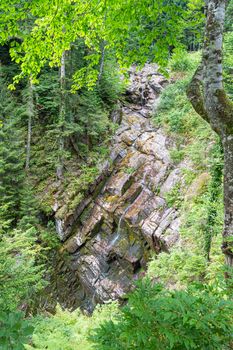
{"x": 108, "y": 239}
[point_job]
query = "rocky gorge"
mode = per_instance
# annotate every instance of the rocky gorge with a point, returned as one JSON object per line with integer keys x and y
{"x": 110, "y": 236}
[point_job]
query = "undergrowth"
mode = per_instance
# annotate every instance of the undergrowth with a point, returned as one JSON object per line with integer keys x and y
{"x": 199, "y": 196}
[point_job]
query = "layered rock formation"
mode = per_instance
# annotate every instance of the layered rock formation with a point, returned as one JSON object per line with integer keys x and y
{"x": 109, "y": 237}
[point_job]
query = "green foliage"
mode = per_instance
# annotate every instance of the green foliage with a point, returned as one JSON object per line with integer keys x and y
{"x": 179, "y": 268}
{"x": 69, "y": 330}
{"x": 155, "y": 318}
{"x": 198, "y": 214}
{"x": 48, "y": 96}
{"x": 168, "y": 98}
{"x": 14, "y": 330}
{"x": 204, "y": 213}
{"x": 10, "y": 176}
{"x": 177, "y": 155}
{"x": 11, "y": 157}
{"x": 77, "y": 186}
{"x": 194, "y": 25}
{"x": 93, "y": 121}
{"x": 111, "y": 86}
{"x": 181, "y": 61}
{"x": 200, "y": 257}
{"x": 20, "y": 276}
{"x": 129, "y": 170}
{"x": 174, "y": 109}
{"x": 49, "y": 240}
{"x": 50, "y": 33}
{"x": 192, "y": 135}
{"x": 228, "y": 59}
{"x": 215, "y": 193}
{"x": 201, "y": 206}
{"x": 174, "y": 197}
{"x": 28, "y": 206}
{"x": 229, "y": 14}
{"x": 87, "y": 131}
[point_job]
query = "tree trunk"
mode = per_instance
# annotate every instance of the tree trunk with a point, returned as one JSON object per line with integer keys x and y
{"x": 61, "y": 121}
{"x": 102, "y": 60}
{"x": 228, "y": 200}
{"x": 209, "y": 99}
{"x": 29, "y": 131}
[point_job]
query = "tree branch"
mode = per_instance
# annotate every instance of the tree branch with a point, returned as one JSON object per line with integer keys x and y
{"x": 195, "y": 95}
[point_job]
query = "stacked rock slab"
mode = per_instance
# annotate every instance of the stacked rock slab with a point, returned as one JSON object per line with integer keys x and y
{"x": 109, "y": 241}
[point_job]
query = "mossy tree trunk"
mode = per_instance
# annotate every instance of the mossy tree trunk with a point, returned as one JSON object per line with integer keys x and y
{"x": 208, "y": 97}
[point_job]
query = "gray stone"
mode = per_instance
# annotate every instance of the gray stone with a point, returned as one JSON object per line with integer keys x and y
{"x": 129, "y": 215}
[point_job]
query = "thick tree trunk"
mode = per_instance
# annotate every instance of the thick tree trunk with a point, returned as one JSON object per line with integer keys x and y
{"x": 208, "y": 97}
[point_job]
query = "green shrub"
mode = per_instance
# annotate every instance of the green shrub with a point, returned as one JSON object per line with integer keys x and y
{"x": 179, "y": 268}
{"x": 20, "y": 276}
{"x": 174, "y": 196}
{"x": 69, "y": 330}
{"x": 155, "y": 318}
{"x": 229, "y": 13}
{"x": 173, "y": 92}
{"x": 177, "y": 155}
{"x": 111, "y": 86}
{"x": 182, "y": 61}
{"x": 174, "y": 107}
{"x": 228, "y": 61}
{"x": 14, "y": 331}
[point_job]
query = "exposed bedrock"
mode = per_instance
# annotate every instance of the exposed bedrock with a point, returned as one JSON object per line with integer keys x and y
{"x": 109, "y": 237}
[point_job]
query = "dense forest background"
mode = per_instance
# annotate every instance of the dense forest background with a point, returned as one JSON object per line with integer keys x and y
{"x": 55, "y": 135}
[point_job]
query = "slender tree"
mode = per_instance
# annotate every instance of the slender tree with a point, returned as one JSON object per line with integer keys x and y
{"x": 62, "y": 114}
{"x": 102, "y": 60}
{"x": 30, "y": 112}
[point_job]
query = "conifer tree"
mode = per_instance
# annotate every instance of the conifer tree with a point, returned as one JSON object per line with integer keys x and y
{"x": 11, "y": 158}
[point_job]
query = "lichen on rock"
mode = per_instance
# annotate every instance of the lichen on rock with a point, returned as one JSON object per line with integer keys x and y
{"x": 129, "y": 217}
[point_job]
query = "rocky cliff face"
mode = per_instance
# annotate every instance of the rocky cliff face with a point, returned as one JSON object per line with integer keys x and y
{"x": 109, "y": 237}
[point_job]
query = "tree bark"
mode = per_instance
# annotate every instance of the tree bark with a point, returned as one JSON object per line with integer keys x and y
{"x": 194, "y": 93}
{"x": 227, "y": 245}
{"x": 209, "y": 99}
{"x": 61, "y": 121}
{"x": 102, "y": 60}
{"x": 29, "y": 131}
